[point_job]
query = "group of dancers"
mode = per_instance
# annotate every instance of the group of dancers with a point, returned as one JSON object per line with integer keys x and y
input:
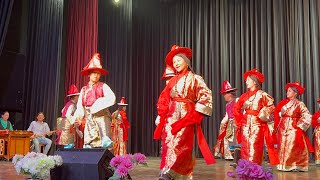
{"x": 252, "y": 122}
{"x": 280, "y": 128}
{"x": 256, "y": 122}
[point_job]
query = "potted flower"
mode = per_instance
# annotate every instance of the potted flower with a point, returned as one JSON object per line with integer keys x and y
{"x": 121, "y": 165}
{"x": 38, "y": 165}
{"x": 248, "y": 170}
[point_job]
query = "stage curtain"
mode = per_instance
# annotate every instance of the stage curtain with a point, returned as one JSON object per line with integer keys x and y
{"x": 43, "y": 54}
{"x": 129, "y": 40}
{"x": 115, "y": 46}
{"x": 82, "y": 30}
{"x": 5, "y": 14}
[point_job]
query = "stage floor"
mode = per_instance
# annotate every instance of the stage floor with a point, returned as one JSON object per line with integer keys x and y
{"x": 202, "y": 171}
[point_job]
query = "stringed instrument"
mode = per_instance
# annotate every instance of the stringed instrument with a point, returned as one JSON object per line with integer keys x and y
{"x": 45, "y": 134}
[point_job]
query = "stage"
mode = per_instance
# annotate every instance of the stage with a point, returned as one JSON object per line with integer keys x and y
{"x": 202, "y": 172}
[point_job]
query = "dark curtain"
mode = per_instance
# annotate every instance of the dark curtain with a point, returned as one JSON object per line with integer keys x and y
{"x": 5, "y": 14}
{"x": 129, "y": 42}
{"x": 82, "y": 30}
{"x": 114, "y": 44}
{"x": 228, "y": 38}
{"x": 280, "y": 38}
{"x": 146, "y": 71}
{"x": 42, "y": 73}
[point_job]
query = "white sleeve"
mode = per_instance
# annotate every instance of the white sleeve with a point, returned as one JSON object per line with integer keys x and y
{"x": 157, "y": 121}
{"x": 101, "y": 103}
{"x": 30, "y": 127}
{"x": 70, "y": 111}
{"x": 47, "y": 127}
{"x": 79, "y": 111}
{"x": 225, "y": 118}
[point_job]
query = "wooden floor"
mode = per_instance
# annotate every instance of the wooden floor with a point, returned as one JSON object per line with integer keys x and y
{"x": 201, "y": 172}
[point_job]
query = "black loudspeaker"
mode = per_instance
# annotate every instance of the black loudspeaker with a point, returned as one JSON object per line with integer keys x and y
{"x": 83, "y": 164}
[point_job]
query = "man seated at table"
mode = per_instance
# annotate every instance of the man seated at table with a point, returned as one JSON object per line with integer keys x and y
{"x": 40, "y": 129}
{"x": 5, "y": 124}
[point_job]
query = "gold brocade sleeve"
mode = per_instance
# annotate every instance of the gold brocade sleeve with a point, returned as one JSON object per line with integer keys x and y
{"x": 306, "y": 118}
{"x": 268, "y": 107}
{"x": 204, "y": 97}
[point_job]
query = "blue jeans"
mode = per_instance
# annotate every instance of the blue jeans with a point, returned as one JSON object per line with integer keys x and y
{"x": 42, "y": 140}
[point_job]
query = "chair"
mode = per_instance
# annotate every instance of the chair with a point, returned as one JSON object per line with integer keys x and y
{"x": 42, "y": 146}
{"x": 32, "y": 148}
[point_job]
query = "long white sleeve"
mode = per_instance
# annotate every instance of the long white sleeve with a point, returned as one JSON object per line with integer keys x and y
{"x": 101, "y": 103}
{"x": 79, "y": 111}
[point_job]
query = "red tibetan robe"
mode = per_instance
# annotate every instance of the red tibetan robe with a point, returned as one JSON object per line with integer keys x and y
{"x": 316, "y": 126}
{"x": 252, "y": 127}
{"x": 292, "y": 119}
{"x": 181, "y": 107}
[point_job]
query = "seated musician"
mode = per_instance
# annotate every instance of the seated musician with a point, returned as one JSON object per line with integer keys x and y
{"x": 5, "y": 124}
{"x": 40, "y": 129}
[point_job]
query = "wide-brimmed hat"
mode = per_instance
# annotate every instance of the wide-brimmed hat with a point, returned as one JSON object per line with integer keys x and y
{"x": 168, "y": 72}
{"x": 123, "y": 102}
{"x": 297, "y": 85}
{"x": 73, "y": 91}
{"x": 226, "y": 87}
{"x": 254, "y": 72}
{"x": 178, "y": 50}
{"x": 94, "y": 65}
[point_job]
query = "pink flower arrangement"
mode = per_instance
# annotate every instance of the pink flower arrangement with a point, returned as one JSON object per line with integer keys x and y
{"x": 122, "y": 164}
{"x": 249, "y": 171}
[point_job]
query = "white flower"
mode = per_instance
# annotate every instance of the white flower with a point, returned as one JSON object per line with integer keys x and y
{"x": 16, "y": 158}
{"x": 58, "y": 160}
{"x": 36, "y": 164}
